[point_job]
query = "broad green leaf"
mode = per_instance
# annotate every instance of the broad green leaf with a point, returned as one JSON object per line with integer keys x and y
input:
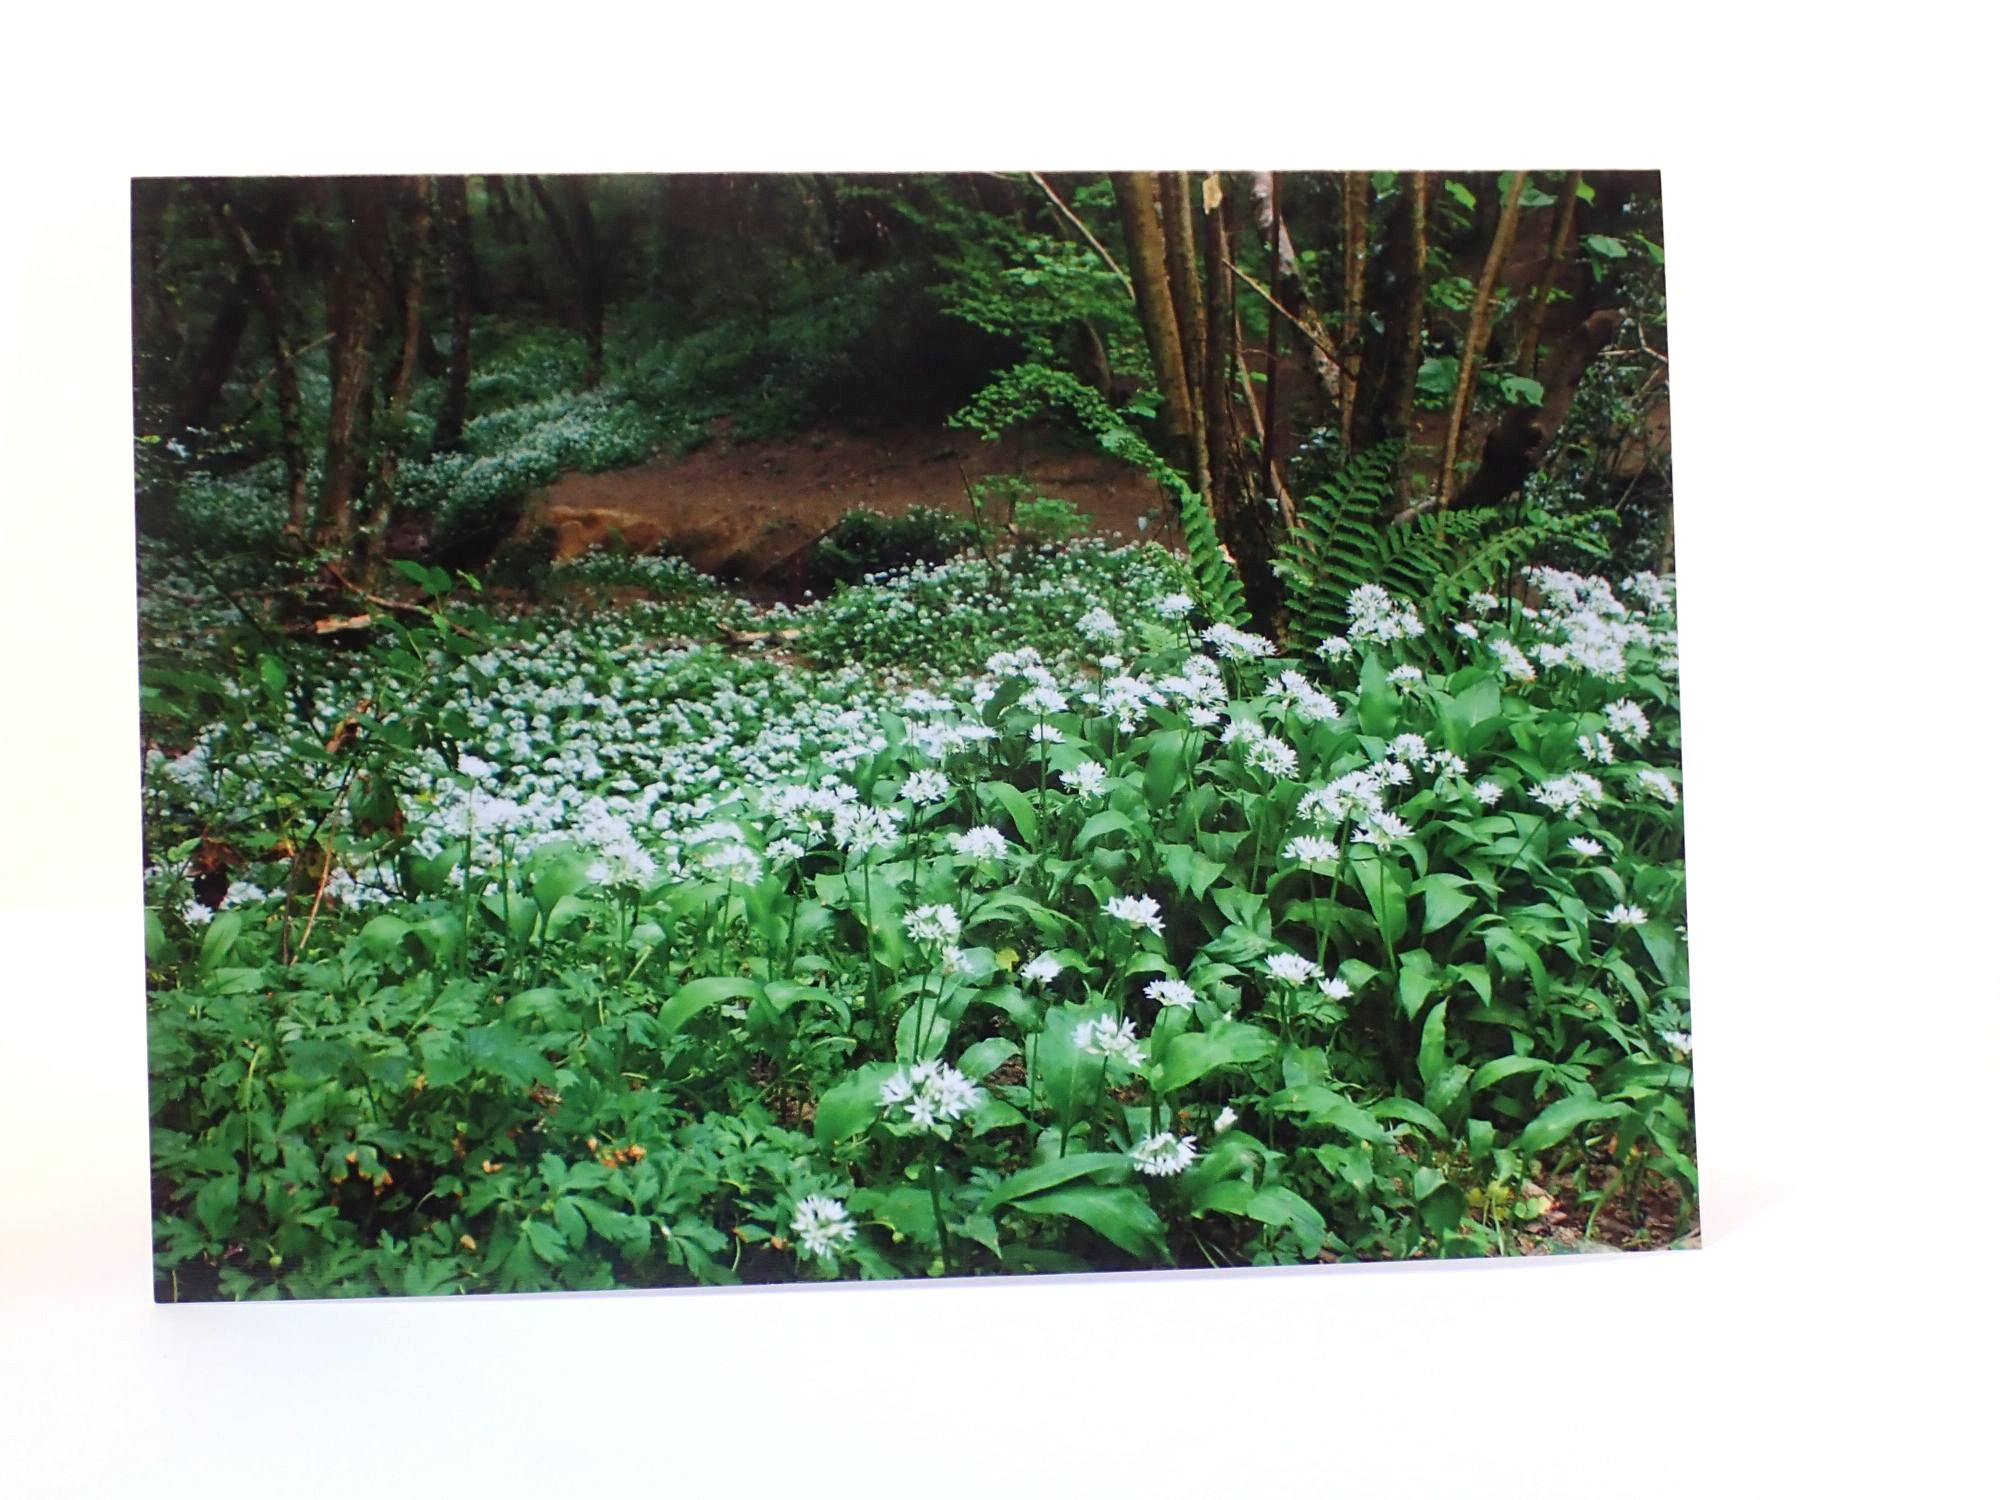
{"x": 1054, "y": 1173}
{"x": 1555, "y": 1123}
{"x": 697, "y": 995}
{"x": 1430, "y": 1051}
{"x": 1015, "y": 801}
{"x": 1195, "y": 1054}
{"x": 1121, "y": 1215}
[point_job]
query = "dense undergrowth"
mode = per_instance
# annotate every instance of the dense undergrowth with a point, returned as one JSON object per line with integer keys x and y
{"x": 1001, "y": 914}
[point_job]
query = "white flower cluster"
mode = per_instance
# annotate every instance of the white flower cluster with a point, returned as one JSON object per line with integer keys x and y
{"x": 931, "y": 1093}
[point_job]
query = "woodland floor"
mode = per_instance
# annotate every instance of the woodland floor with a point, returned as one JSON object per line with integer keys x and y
{"x": 750, "y": 512}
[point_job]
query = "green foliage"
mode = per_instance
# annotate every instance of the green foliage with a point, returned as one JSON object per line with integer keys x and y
{"x": 864, "y": 541}
{"x": 574, "y": 1043}
{"x": 1029, "y": 392}
{"x": 1344, "y": 541}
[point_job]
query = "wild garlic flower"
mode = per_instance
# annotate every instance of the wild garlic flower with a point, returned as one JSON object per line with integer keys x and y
{"x": 1336, "y": 988}
{"x": 930, "y": 1093}
{"x": 1622, "y": 915}
{"x": 983, "y": 842}
{"x": 1588, "y": 848}
{"x": 1405, "y": 677}
{"x": 1627, "y": 720}
{"x": 1174, "y": 606}
{"x": 1232, "y": 644}
{"x": 1045, "y": 734}
{"x": 1088, "y": 780}
{"x": 1660, "y": 785}
{"x": 1334, "y": 648}
{"x": 1292, "y": 968}
{"x": 1271, "y": 756}
{"x": 1597, "y": 748}
{"x": 1099, "y": 625}
{"x": 1107, "y": 1036}
{"x": 1175, "y": 993}
{"x": 1164, "y": 1155}
{"x": 1042, "y": 968}
{"x": 932, "y": 924}
{"x": 1043, "y": 700}
{"x": 1139, "y": 911}
{"x": 821, "y": 1226}
{"x": 1488, "y": 792}
{"x": 925, "y": 787}
{"x": 1383, "y": 828}
{"x": 1225, "y": 1118}
{"x": 1311, "y": 849}
{"x": 859, "y": 828}
{"x": 1680, "y": 1041}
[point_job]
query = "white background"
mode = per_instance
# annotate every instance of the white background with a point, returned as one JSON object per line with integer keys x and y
{"x": 1830, "y": 259}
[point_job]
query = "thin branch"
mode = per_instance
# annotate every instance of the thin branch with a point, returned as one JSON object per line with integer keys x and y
{"x": 1304, "y": 332}
{"x": 1082, "y": 229}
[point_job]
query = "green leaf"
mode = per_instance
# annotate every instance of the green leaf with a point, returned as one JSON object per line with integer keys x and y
{"x": 1195, "y": 1054}
{"x": 1121, "y": 1215}
{"x": 1462, "y": 193}
{"x": 223, "y": 931}
{"x": 1555, "y": 1123}
{"x": 383, "y": 936}
{"x": 1050, "y": 1174}
{"x": 1191, "y": 871}
{"x": 1016, "y": 803}
{"x": 1430, "y": 1051}
{"x": 696, "y": 996}
{"x": 1507, "y": 1067}
{"x": 850, "y": 1106}
{"x": 499, "y": 1050}
{"x": 982, "y": 1058}
{"x": 1605, "y": 246}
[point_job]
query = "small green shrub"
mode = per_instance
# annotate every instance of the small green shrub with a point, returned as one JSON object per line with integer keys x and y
{"x": 866, "y": 542}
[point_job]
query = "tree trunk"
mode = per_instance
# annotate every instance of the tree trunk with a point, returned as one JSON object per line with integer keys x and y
{"x": 458, "y": 268}
{"x": 1354, "y": 282}
{"x": 1245, "y": 521}
{"x": 1529, "y": 359}
{"x": 1184, "y": 285}
{"x": 250, "y": 261}
{"x": 1415, "y": 300}
{"x": 1386, "y": 402}
{"x": 352, "y": 300}
{"x": 591, "y": 267}
{"x": 576, "y": 242}
{"x": 218, "y": 357}
{"x": 389, "y": 450}
{"x": 1146, "y": 255}
{"x": 1273, "y": 465}
{"x": 1476, "y": 335}
{"x": 1290, "y": 291}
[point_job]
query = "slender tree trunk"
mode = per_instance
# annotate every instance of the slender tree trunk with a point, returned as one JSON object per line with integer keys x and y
{"x": 458, "y": 267}
{"x": 1476, "y": 336}
{"x": 353, "y": 299}
{"x": 1246, "y": 522}
{"x": 250, "y": 259}
{"x": 1529, "y": 359}
{"x": 1290, "y": 290}
{"x": 1146, "y": 255}
{"x": 1354, "y": 192}
{"x": 416, "y": 220}
{"x": 1386, "y": 401}
{"x": 576, "y": 242}
{"x": 203, "y": 390}
{"x": 1273, "y": 465}
{"x": 591, "y": 266}
{"x": 1415, "y": 300}
{"x": 1184, "y": 285}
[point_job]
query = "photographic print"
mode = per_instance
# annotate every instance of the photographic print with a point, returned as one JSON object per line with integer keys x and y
{"x": 712, "y": 729}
